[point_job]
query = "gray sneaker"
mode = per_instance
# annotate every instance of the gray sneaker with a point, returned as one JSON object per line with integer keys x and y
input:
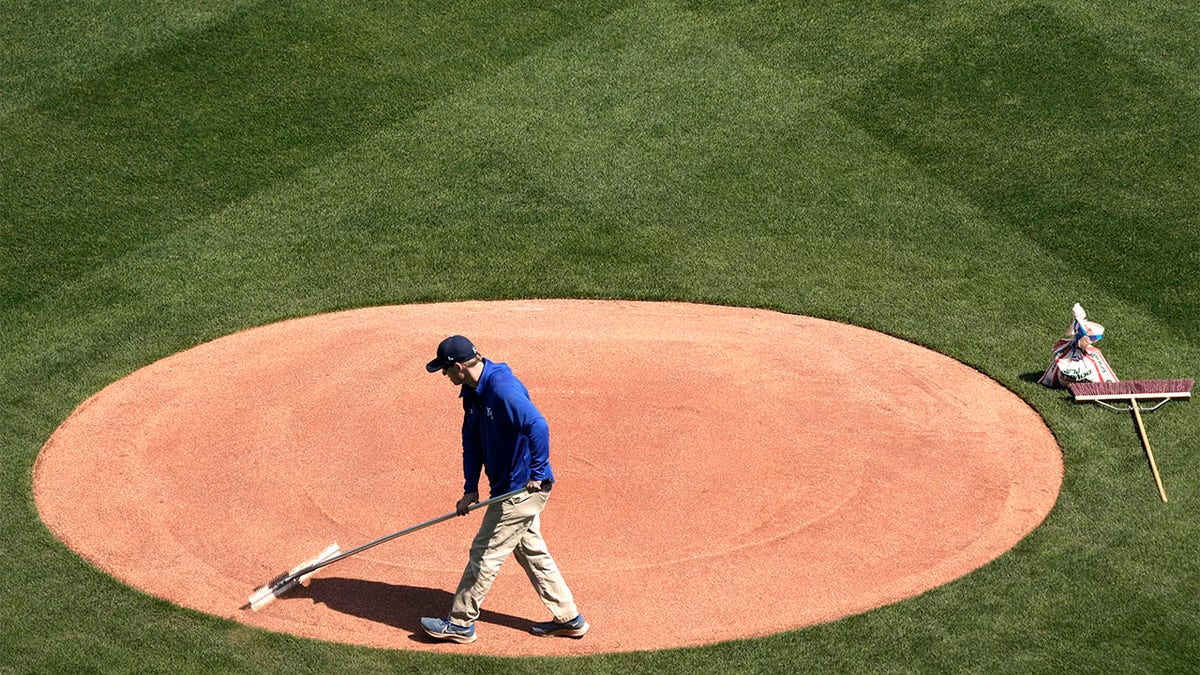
{"x": 574, "y": 628}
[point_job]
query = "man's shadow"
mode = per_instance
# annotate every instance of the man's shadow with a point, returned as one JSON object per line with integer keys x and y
{"x": 393, "y": 605}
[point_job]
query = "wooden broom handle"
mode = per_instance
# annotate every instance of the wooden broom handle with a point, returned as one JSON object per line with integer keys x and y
{"x": 1137, "y": 415}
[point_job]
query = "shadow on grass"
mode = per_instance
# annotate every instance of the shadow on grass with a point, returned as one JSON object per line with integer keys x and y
{"x": 394, "y": 605}
{"x": 1064, "y": 399}
{"x": 1032, "y": 378}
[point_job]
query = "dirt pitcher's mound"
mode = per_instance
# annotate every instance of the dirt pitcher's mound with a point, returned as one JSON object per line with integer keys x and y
{"x": 722, "y": 472}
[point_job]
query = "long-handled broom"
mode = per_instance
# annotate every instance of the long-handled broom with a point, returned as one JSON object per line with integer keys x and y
{"x": 266, "y": 594}
{"x": 1134, "y": 391}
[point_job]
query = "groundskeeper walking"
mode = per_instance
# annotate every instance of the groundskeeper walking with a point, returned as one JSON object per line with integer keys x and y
{"x": 505, "y": 436}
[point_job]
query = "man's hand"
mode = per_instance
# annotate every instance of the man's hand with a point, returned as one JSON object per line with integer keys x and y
{"x": 534, "y": 486}
{"x": 464, "y": 504}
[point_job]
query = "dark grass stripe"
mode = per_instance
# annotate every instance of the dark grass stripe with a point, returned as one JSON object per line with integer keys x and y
{"x": 1091, "y": 155}
{"x": 110, "y": 163}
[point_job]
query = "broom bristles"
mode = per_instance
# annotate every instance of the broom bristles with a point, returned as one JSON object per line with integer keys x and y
{"x": 265, "y": 595}
{"x": 1130, "y": 390}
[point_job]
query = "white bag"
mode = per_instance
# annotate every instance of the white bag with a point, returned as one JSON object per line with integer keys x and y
{"x": 1076, "y": 358}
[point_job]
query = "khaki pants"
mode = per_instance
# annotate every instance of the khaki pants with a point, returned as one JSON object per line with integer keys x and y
{"x": 512, "y": 526}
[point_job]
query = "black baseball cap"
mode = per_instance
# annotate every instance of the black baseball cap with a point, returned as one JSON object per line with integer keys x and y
{"x": 454, "y": 349}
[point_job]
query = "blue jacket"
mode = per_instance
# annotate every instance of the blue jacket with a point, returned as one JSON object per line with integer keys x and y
{"x": 503, "y": 433}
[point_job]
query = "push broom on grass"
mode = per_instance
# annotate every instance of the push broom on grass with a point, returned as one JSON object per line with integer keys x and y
{"x": 1134, "y": 391}
{"x": 300, "y": 574}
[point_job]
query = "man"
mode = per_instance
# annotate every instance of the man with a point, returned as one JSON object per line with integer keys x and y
{"x": 506, "y": 437}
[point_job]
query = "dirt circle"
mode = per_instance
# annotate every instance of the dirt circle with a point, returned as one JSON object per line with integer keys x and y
{"x": 730, "y": 472}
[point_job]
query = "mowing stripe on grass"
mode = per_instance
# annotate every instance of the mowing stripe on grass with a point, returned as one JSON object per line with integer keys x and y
{"x": 184, "y": 129}
{"x": 1091, "y": 155}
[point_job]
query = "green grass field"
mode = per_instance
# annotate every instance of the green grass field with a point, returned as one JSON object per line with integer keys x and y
{"x": 953, "y": 173}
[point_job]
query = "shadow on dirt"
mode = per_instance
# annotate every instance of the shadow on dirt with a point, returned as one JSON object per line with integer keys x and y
{"x": 394, "y": 605}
